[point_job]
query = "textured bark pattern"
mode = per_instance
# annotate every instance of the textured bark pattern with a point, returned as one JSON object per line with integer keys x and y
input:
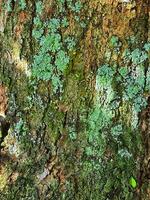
{"x": 78, "y": 88}
{"x": 3, "y": 100}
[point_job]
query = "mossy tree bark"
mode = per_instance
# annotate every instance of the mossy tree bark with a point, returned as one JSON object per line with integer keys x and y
{"x": 74, "y": 99}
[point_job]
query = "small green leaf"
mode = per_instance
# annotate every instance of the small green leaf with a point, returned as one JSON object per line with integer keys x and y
{"x": 133, "y": 182}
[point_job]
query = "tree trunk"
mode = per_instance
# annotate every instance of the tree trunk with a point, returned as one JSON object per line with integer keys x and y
{"x": 74, "y": 100}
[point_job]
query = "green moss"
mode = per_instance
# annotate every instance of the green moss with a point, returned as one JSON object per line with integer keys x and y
{"x": 23, "y": 189}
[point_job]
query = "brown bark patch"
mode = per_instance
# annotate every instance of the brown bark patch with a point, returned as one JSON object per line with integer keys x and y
{"x": 3, "y": 100}
{"x": 23, "y": 17}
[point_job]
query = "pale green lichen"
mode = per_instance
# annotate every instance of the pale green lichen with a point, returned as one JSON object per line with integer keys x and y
{"x": 22, "y": 4}
{"x": 52, "y": 59}
{"x": 8, "y": 6}
{"x": 108, "y": 100}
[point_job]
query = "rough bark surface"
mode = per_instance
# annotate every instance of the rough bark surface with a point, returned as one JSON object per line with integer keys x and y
{"x": 74, "y": 100}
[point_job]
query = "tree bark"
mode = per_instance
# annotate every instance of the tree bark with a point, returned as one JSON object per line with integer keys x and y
{"x": 74, "y": 100}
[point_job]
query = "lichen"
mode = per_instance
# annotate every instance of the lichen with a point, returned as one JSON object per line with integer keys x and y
{"x": 52, "y": 59}
{"x": 75, "y": 126}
